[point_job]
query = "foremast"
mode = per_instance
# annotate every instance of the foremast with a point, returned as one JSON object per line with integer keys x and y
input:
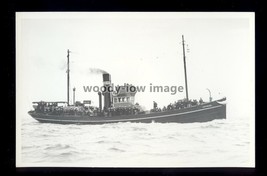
{"x": 68, "y": 76}
{"x": 185, "y": 74}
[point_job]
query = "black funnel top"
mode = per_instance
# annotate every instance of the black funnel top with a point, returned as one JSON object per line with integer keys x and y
{"x": 106, "y": 77}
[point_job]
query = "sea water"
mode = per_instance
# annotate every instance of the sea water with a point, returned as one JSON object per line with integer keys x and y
{"x": 216, "y": 143}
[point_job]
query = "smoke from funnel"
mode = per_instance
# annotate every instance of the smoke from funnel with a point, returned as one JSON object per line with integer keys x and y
{"x": 97, "y": 71}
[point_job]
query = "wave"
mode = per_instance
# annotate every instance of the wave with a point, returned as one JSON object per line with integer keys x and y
{"x": 108, "y": 142}
{"x": 116, "y": 149}
{"x": 58, "y": 147}
{"x": 139, "y": 129}
{"x": 65, "y": 154}
{"x": 211, "y": 126}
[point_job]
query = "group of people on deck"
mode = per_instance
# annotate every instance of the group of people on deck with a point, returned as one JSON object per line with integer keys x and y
{"x": 180, "y": 104}
{"x": 54, "y": 109}
{"x": 121, "y": 111}
{"x": 80, "y": 109}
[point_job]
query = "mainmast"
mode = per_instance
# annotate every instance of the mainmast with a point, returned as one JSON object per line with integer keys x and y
{"x": 186, "y": 89}
{"x": 68, "y": 77}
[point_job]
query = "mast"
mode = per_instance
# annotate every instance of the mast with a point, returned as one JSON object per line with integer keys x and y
{"x": 68, "y": 77}
{"x": 74, "y": 96}
{"x": 186, "y": 89}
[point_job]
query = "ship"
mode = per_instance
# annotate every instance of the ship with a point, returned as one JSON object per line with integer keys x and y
{"x": 120, "y": 107}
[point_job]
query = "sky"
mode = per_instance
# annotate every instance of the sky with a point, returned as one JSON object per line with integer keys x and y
{"x": 139, "y": 49}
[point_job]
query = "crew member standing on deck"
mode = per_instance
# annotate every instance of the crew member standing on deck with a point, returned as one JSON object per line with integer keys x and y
{"x": 155, "y": 105}
{"x": 200, "y": 101}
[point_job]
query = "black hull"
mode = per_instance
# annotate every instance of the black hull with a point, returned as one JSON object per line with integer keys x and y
{"x": 201, "y": 113}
